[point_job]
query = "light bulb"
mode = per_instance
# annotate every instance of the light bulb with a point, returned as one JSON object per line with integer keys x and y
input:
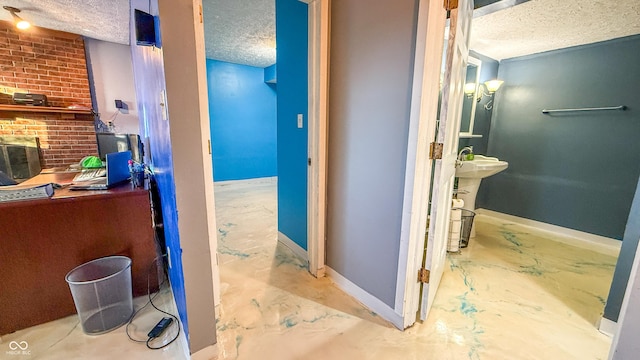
{"x": 469, "y": 88}
{"x": 23, "y": 25}
{"x": 493, "y": 85}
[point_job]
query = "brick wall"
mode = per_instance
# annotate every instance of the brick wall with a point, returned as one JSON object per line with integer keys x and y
{"x": 52, "y": 63}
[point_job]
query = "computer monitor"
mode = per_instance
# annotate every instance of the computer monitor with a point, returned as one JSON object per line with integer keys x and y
{"x": 109, "y": 143}
{"x": 145, "y": 28}
{"x": 136, "y": 147}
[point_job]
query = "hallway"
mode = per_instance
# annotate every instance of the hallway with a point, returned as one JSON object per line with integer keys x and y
{"x": 511, "y": 295}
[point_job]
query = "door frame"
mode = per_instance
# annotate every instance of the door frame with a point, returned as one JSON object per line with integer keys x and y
{"x": 318, "y": 100}
{"x": 422, "y": 127}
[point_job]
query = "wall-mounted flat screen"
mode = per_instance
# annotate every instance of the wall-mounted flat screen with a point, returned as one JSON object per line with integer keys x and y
{"x": 145, "y": 28}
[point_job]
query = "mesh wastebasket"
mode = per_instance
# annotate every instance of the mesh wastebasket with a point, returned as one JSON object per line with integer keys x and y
{"x": 101, "y": 291}
{"x": 465, "y": 230}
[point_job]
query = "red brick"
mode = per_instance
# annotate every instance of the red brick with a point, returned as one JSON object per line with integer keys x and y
{"x": 58, "y": 73}
{"x": 13, "y": 127}
{"x": 11, "y": 36}
{"x": 27, "y": 77}
{"x": 20, "y": 53}
{"x": 44, "y": 47}
{"x": 48, "y": 67}
{"x": 37, "y": 82}
{"x": 47, "y": 87}
{"x": 23, "y": 121}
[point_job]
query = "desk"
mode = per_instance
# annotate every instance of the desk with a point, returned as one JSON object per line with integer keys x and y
{"x": 41, "y": 240}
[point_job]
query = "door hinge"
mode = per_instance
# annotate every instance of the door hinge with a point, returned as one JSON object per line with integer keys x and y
{"x": 309, "y": 161}
{"x": 424, "y": 275}
{"x": 450, "y": 4}
{"x": 435, "y": 150}
{"x": 209, "y": 146}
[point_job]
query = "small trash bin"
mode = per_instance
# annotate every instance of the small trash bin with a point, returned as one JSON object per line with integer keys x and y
{"x": 465, "y": 227}
{"x": 101, "y": 291}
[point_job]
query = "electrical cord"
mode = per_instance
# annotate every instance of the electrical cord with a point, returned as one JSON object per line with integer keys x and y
{"x": 150, "y": 301}
{"x": 147, "y": 303}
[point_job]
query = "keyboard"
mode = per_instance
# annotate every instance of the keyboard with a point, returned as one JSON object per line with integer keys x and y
{"x": 17, "y": 192}
{"x": 90, "y": 174}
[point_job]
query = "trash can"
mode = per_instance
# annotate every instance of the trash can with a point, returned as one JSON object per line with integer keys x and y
{"x": 101, "y": 291}
{"x": 465, "y": 227}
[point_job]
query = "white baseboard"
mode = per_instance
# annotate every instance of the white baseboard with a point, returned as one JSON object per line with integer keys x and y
{"x": 608, "y": 327}
{"x": 252, "y": 181}
{"x": 572, "y": 237}
{"x": 368, "y": 300}
{"x": 297, "y": 249}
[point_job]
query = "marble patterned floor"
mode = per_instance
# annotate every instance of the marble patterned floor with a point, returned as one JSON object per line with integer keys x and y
{"x": 63, "y": 339}
{"x": 512, "y": 294}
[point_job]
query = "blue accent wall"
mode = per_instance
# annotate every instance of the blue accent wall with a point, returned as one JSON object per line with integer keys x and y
{"x": 270, "y": 74}
{"x": 291, "y": 67}
{"x": 242, "y": 110}
{"x": 149, "y": 80}
{"x": 577, "y": 170}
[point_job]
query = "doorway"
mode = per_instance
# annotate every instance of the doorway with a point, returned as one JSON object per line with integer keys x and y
{"x": 544, "y": 184}
{"x": 410, "y": 274}
{"x": 301, "y": 124}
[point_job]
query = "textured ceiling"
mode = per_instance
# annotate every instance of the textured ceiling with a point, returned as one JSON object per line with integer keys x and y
{"x": 99, "y": 19}
{"x": 237, "y": 31}
{"x": 241, "y": 31}
{"x": 542, "y": 25}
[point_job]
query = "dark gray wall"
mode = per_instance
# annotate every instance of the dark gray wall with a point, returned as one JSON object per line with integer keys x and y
{"x": 577, "y": 170}
{"x": 625, "y": 260}
{"x": 482, "y": 122}
{"x": 372, "y": 51}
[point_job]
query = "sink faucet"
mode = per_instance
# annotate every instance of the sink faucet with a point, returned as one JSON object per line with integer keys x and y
{"x": 468, "y": 149}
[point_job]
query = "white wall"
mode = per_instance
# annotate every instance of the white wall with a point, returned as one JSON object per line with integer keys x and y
{"x": 112, "y": 72}
{"x": 188, "y": 107}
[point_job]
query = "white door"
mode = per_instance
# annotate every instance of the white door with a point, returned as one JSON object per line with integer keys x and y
{"x": 447, "y": 134}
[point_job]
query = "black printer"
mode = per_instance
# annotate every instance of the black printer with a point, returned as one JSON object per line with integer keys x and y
{"x": 30, "y": 99}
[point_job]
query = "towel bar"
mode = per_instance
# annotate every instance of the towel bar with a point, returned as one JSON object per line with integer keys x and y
{"x": 621, "y": 107}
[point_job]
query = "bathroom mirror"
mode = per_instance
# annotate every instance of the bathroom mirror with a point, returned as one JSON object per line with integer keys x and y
{"x": 469, "y": 102}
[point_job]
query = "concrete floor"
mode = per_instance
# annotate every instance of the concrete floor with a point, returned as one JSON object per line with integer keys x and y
{"x": 512, "y": 294}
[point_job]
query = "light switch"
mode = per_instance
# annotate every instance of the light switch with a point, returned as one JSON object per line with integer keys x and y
{"x": 300, "y": 118}
{"x": 163, "y": 104}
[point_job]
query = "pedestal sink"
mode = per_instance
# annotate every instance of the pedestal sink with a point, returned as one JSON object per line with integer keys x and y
{"x": 470, "y": 173}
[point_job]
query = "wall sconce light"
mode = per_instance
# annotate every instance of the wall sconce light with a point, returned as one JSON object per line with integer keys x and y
{"x": 469, "y": 89}
{"x": 20, "y": 23}
{"x": 485, "y": 89}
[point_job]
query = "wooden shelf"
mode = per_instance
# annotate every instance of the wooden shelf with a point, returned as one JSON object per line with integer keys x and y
{"x": 43, "y": 109}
